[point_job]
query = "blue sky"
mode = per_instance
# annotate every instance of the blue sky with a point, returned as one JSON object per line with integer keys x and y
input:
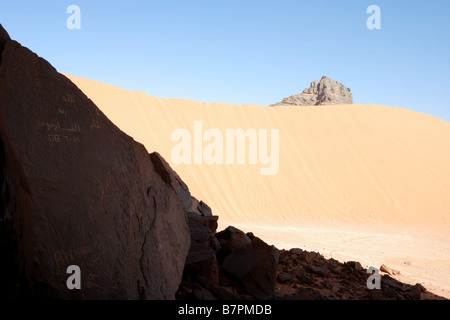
{"x": 247, "y": 51}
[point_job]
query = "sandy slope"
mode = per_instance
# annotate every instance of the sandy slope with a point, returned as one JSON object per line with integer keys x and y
{"x": 362, "y": 182}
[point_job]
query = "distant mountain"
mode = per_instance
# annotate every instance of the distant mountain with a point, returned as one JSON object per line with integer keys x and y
{"x": 323, "y": 92}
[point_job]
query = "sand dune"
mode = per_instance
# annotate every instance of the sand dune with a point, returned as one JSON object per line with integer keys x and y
{"x": 350, "y": 177}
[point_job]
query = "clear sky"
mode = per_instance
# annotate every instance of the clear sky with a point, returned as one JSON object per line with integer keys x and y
{"x": 247, "y": 51}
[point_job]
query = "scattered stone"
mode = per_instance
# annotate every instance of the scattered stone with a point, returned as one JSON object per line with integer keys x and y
{"x": 305, "y": 279}
{"x": 353, "y": 265}
{"x": 337, "y": 280}
{"x": 320, "y": 271}
{"x": 308, "y": 257}
{"x": 393, "y": 284}
{"x": 296, "y": 251}
{"x": 283, "y": 258}
{"x": 285, "y": 277}
{"x": 414, "y": 293}
{"x": 337, "y": 269}
{"x": 388, "y": 270}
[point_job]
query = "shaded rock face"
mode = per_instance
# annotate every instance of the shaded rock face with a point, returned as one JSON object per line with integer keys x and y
{"x": 323, "y": 92}
{"x": 255, "y": 267}
{"x": 230, "y": 266}
{"x": 232, "y": 239}
{"x": 75, "y": 190}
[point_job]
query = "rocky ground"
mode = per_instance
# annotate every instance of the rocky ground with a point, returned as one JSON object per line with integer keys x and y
{"x": 308, "y": 275}
{"x": 233, "y": 265}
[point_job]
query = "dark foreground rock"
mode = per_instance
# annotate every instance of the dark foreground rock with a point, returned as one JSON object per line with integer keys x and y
{"x": 255, "y": 267}
{"x": 247, "y": 267}
{"x": 75, "y": 190}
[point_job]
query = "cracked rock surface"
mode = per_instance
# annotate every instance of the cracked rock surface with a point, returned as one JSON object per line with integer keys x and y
{"x": 76, "y": 190}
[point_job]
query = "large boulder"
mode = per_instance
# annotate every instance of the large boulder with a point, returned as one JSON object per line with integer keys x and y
{"x": 323, "y": 92}
{"x": 75, "y": 190}
{"x": 255, "y": 266}
{"x": 201, "y": 262}
{"x": 232, "y": 239}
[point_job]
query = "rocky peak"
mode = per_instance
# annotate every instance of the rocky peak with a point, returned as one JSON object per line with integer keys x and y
{"x": 323, "y": 92}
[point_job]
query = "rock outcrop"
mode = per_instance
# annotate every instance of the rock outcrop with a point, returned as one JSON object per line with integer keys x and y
{"x": 255, "y": 267}
{"x": 75, "y": 190}
{"x": 307, "y": 275}
{"x": 249, "y": 269}
{"x": 323, "y": 92}
{"x": 231, "y": 266}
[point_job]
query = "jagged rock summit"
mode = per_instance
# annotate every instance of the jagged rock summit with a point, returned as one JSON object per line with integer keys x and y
{"x": 323, "y": 92}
